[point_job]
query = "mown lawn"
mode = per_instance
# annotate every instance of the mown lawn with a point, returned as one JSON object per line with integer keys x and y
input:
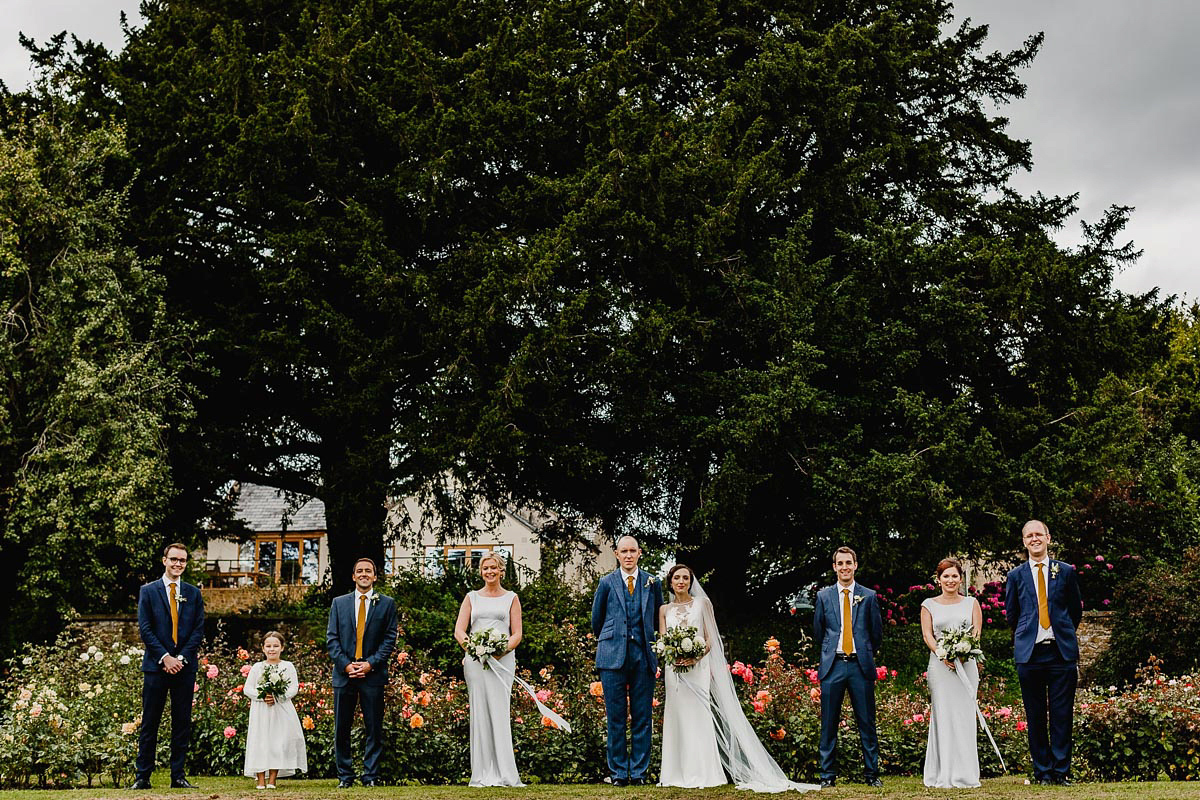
{"x": 894, "y": 789}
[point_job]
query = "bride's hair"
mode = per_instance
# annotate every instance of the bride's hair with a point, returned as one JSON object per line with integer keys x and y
{"x": 671, "y": 574}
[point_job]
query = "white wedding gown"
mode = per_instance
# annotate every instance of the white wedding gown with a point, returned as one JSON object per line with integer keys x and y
{"x": 689, "y": 741}
{"x": 492, "y": 760}
{"x": 952, "y": 755}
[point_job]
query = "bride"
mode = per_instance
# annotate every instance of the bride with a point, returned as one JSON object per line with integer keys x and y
{"x": 706, "y": 735}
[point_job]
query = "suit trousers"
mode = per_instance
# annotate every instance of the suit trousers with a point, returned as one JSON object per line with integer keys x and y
{"x": 157, "y": 686}
{"x": 345, "y": 698}
{"x": 1048, "y": 684}
{"x": 628, "y": 694}
{"x": 842, "y": 677}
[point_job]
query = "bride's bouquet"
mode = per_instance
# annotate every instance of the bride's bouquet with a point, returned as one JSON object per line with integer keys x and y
{"x": 960, "y": 643}
{"x": 272, "y": 681}
{"x": 486, "y": 642}
{"x": 680, "y": 642}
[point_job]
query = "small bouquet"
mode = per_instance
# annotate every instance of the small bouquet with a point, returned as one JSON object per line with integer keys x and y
{"x": 486, "y": 642}
{"x": 960, "y": 643}
{"x": 273, "y": 682}
{"x": 679, "y": 643}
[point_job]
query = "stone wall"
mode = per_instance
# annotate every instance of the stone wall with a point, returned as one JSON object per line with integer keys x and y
{"x": 1095, "y": 633}
{"x": 246, "y": 598}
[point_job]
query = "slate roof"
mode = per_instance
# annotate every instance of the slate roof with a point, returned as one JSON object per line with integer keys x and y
{"x": 263, "y": 509}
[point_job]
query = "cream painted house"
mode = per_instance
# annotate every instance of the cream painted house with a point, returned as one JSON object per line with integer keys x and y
{"x": 288, "y": 543}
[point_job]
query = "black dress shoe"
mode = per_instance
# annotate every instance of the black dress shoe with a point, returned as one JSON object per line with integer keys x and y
{"x": 182, "y": 783}
{"x": 140, "y": 783}
{"x": 1043, "y": 782}
{"x": 345, "y": 783}
{"x": 619, "y": 782}
{"x": 875, "y": 783}
{"x": 637, "y": 781}
{"x": 828, "y": 784}
{"x": 369, "y": 782}
{"x": 1063, "y": 781}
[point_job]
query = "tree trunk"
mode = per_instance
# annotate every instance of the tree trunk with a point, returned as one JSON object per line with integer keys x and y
{"x": 355, "y": 484}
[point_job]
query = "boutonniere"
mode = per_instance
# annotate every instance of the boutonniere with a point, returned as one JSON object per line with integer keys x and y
{"x": 374, "y": 600}
{"x": 1053, "y": 570}
{"x": 858, "y": 598}
{"x": 649, "y": 583}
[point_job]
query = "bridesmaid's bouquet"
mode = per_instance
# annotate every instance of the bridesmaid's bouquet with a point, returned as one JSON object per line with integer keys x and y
{"x": 272, "y": 681}
{"x": 680, "y": 642}
{"x": 486, "y": 642}
{"x": 960, "y": 643}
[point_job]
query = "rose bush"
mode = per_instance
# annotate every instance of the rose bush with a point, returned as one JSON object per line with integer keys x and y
{"x": 70, "y": 717}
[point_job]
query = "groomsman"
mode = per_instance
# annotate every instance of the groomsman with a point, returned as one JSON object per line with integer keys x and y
{"x": 1043, "y": 606}
{"x": 360, "y": 638}
{"x": 849, "y": 628}
{"x": 623, "y": 614}
{"x": 171, "y": 623}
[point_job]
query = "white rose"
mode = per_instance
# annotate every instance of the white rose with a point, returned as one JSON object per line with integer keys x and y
{"x": 940, "y": 653}
{"x": 98, "y": 656}
{"x": 124, "y": 660}
{"x": 481, "y": 650}
{"x": 83, "y": 656}
{"x": 962, "y": 647}
{"x": 699, "y": 640}
{"x": 685, "y": 644}
{"x": 92, "y": 649}
{"x": 27, "y": 661}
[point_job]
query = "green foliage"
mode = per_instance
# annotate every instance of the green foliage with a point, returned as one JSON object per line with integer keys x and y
{"x": 1158, "y": 614}
{"x": 89, "y": 384}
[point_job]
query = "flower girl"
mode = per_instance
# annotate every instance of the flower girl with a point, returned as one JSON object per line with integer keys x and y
{"x": 274, "y": 738}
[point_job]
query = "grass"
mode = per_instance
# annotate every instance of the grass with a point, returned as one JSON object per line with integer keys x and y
{"x": 1006, "y": 788}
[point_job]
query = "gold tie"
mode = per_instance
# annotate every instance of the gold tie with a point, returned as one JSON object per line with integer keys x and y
{"x": 362, "y": 626}
{"x": 629, "y": 582}
{"x": 174, "y": 616}
{"x": 1043, "y": 604}
{"x": 847, "y": 623}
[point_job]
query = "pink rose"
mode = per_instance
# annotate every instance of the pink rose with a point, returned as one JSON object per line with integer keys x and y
{"x": 195, "y": 687}
{"x": 212, "y": 671}
{"x": 1004, "y": 713}
{"x": 1099, "y": 558}
{"x": 1022, "y": 724}
{"x": 245, "y": 670}
{"x": 759, "y": 706}
{"x": 918, "y": 717}
{"x": 543, "y": 695}
{"x": 401, "y": 657}
{"x": 881, "y": 673}
{"x": 230, "y": 732}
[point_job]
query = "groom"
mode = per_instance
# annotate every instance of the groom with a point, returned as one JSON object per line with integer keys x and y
{"x": 623, "y": 615}
{"x": 848, "y": 626}
{"x": 1043, "y": 605}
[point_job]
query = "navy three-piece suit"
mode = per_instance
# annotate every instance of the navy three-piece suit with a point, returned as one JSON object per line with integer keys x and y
{"x": 624, "y": 625}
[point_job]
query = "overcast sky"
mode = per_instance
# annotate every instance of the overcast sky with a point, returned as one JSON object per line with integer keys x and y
{"x": 1113, "y": 108}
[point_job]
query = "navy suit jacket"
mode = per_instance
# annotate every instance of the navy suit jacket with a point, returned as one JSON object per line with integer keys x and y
{"x": 866, "y": 626}
{"x": 379, "y": 637}
{"x": 609, "y": 623}
{"x": 154, "y": 624}
{"x": 1064, "y": 603}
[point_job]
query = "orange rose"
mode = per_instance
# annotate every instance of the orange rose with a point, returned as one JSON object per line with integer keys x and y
{"x": 772, "y": 644}
{"x": 548, "y": 723}
{"x": 416, "y": 721}
{"x": 424, "y": 698}
{"x": 596, "y": 689}
{"x": 777, "y": 735}
{"x": 307, "y": 723}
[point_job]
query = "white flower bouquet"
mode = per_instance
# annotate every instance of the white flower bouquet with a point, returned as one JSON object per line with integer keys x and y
{"x": 486, "y": 642}
{"x": 273, "y": 681}
{"x": 682, "y": 642}
{"x": 960, "y": 643}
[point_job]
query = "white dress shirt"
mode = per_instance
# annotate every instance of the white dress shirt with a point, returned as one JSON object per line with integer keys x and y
{"x": 846, "y": 620}
{"x": 1044, "y": 634}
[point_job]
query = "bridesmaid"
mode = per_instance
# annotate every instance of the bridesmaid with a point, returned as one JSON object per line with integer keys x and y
{"x": 489, "y": 691}
{"x": 951, "y": 756}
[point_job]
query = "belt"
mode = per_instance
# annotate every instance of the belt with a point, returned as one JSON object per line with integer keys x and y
{"x": 843, "y": 657}
{"x": 1044, "y": 643}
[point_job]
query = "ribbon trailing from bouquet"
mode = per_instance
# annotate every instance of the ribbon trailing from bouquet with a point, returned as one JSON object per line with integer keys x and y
{"x": 983, "y": 722}
{"x": 502, "y": 674}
